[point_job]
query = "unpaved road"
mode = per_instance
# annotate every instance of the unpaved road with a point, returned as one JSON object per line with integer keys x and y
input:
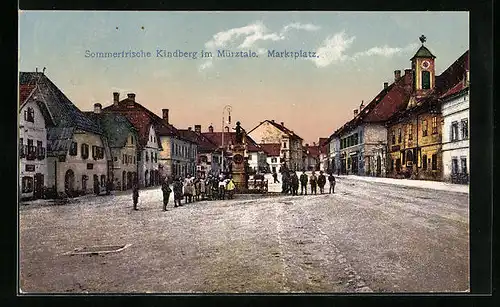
{"x": 365, "y": 237}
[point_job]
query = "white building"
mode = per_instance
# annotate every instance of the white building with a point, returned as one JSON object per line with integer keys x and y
{"x": 77, "y": 152}
{"x": 455, "y": 111}
{"x": 273, "y": 152}
{"x": 33, "y": 120}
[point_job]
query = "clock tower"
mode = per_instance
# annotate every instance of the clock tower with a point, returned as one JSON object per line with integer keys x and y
{"x": 424, "y": 73}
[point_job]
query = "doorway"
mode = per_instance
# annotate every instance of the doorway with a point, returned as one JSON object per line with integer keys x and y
{"x": 69, "y": 182}
{"x": 38, "y": 186}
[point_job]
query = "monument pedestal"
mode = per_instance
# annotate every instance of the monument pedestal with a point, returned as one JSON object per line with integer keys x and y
{"x": 238, "y": 171}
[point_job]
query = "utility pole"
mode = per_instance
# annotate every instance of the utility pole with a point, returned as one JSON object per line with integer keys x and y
{"x": 229, "y": 109}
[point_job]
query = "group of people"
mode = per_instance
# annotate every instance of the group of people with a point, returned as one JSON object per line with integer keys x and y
{"x": 193, "y": 189}
{"x": 291, "y": 182}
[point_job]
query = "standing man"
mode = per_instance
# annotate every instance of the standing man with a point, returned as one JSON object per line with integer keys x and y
{"x": 275, "y": 177}
{"x": 313, "y": 181}
{"x": 331, "y": 180}
{"x": 321, "y": 182}
{"x": 222, "y": 189}
{"x": 303, "y": 183}
{"x": 165, "y": 188}
{"x": 177, "y": 192}
{"x": 295, "y": 184}
{"x": 135, "y": 195}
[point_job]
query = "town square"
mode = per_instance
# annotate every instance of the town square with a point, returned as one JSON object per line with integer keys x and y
{"x": 205, "y": 175}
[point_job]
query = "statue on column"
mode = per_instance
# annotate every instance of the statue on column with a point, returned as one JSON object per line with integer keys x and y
{"x": 239, "y": 133}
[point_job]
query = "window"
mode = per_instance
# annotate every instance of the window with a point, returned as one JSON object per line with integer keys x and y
{"x": 156, "y": 157}
{"x": 249, "y": 157}
{"x": 434, "y": 162}
{"x": 434, "y": 125}
{"x": 399, "y": 135}
{"x": 146, "y": 156}
{"x": 29, "y": 115}
{"x": 132, "y": 139}
{"x": 394, "y": 136}
{"x": 115, "y": 159}
{"x": 73, "y": 149}
{"x": 424, "y": 127}
{"x": 27, "y": 184}
{"x": 84, "y": 151}
{"x": 426, "y": 80}
{"x": 454, "y": 165}
{"x": 274, "y": 160}
{"x": 139, "y": 155}
{"x": 454, "y": 131}
{"x": 284, "y": 155}
{"x": 410, "y": 132}
{"x": 424, "y": 162}
{"x": 465, "y": 128}
{"x": 284, "y": 145}
{"x": 94, "y": 152}
{"x": 463, "y": 162}
{"x": 134, "y": 159}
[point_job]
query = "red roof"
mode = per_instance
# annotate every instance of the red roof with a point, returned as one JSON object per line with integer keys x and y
{"x": 25, "y": 91}
{"x": 453, "y": 74}
{"x": 457, "y": 88}
{"x": 205, "y": 145}
{"x": 142, "y": 119}
{"x": 313, "y": 151}
{"x": 272, "y": 150}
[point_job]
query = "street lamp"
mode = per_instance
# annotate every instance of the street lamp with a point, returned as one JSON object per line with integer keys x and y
{"x": 227, "y": 108}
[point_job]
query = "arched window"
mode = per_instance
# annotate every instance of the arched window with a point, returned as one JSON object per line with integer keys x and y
{"x": 426, "y": 80}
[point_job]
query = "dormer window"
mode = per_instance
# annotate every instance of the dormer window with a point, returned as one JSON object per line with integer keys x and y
{"x": 29, "y": 115}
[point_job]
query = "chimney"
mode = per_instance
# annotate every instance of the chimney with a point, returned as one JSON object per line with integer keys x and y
{"x": 97, "y": 108}
{"x": 197, "y": 128}
{"x": 165, "y": 115}
{"x": 211, "y": 129}
{"x": 116, "y": 98}
{"x": 386, "y": 85}
{"x": 283, "y": 124}
{"x": 397, "y": 74}
{"x": 407, "y": 71}
{"x": 355, "y": 112}
{"x": 131, "y": 96}
{"x": 362, "y": 105}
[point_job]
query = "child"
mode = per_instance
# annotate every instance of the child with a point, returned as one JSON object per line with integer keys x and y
{"x": 135, "y": 195}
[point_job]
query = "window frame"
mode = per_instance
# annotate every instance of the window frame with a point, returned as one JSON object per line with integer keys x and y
{"x": 434, "y": 125}
{"x": 454, "y": 131}
{"x": 425, "y": 128}
{"x": 464, "y": 127}
{"x": 84, "y": 151}
{"x": 426, "y": 84}
{"x": 73, "y": 148}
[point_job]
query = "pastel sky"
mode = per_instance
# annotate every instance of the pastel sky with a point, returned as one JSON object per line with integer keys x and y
{"x": 358, "y": 52}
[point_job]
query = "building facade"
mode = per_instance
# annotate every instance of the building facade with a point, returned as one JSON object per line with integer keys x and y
{"x": 77, "y": 151}
{"x": 33, "y": 119}
{"x": 455, "y": 112}
{"x": 273, "y": 153}
{"x": 291, "y": 151}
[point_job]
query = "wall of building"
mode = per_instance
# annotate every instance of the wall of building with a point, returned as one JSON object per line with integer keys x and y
{"x": 375, "y": 149}
{"x": 123, "y": 164}
{"x": 148, "y": 165}
{"x": 79, "y": 166}
{"x": 35, "y": 131}
{"x": 273, "y": 162}
{"x": 455, "y": 110}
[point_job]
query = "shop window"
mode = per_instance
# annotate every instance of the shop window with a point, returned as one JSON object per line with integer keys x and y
{"x": 424, "y": 162}
{"x": 434, "y": 162}
{"x": 454, "y": 165}
{"x": 463, "y": 162}
{"x": 27, "y": 185}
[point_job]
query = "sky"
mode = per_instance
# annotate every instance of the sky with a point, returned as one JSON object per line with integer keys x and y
{"x": 355, "y": 53}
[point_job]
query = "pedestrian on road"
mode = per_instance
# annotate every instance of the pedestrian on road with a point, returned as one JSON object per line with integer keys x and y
{"x": 215, "y": 188}
{"x": 165, "y": 188}
{"x": 135, "y": 195}
{"x": 331, "y": 180}
{"x": 295, "y": 184}
{"x": 177, "y": 192}
{"x": 203, "y": 189}
{"x": 275, "y": 177}
{"x": 321, "y": 182}
{"x": 303, "y": 183}
{"x": 230, "y": 188}
{"x": 313, "y": 180}
{"x": 222, "y": 189}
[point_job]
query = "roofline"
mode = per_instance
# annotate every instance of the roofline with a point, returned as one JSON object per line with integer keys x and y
{"x": 454, "y": 95}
